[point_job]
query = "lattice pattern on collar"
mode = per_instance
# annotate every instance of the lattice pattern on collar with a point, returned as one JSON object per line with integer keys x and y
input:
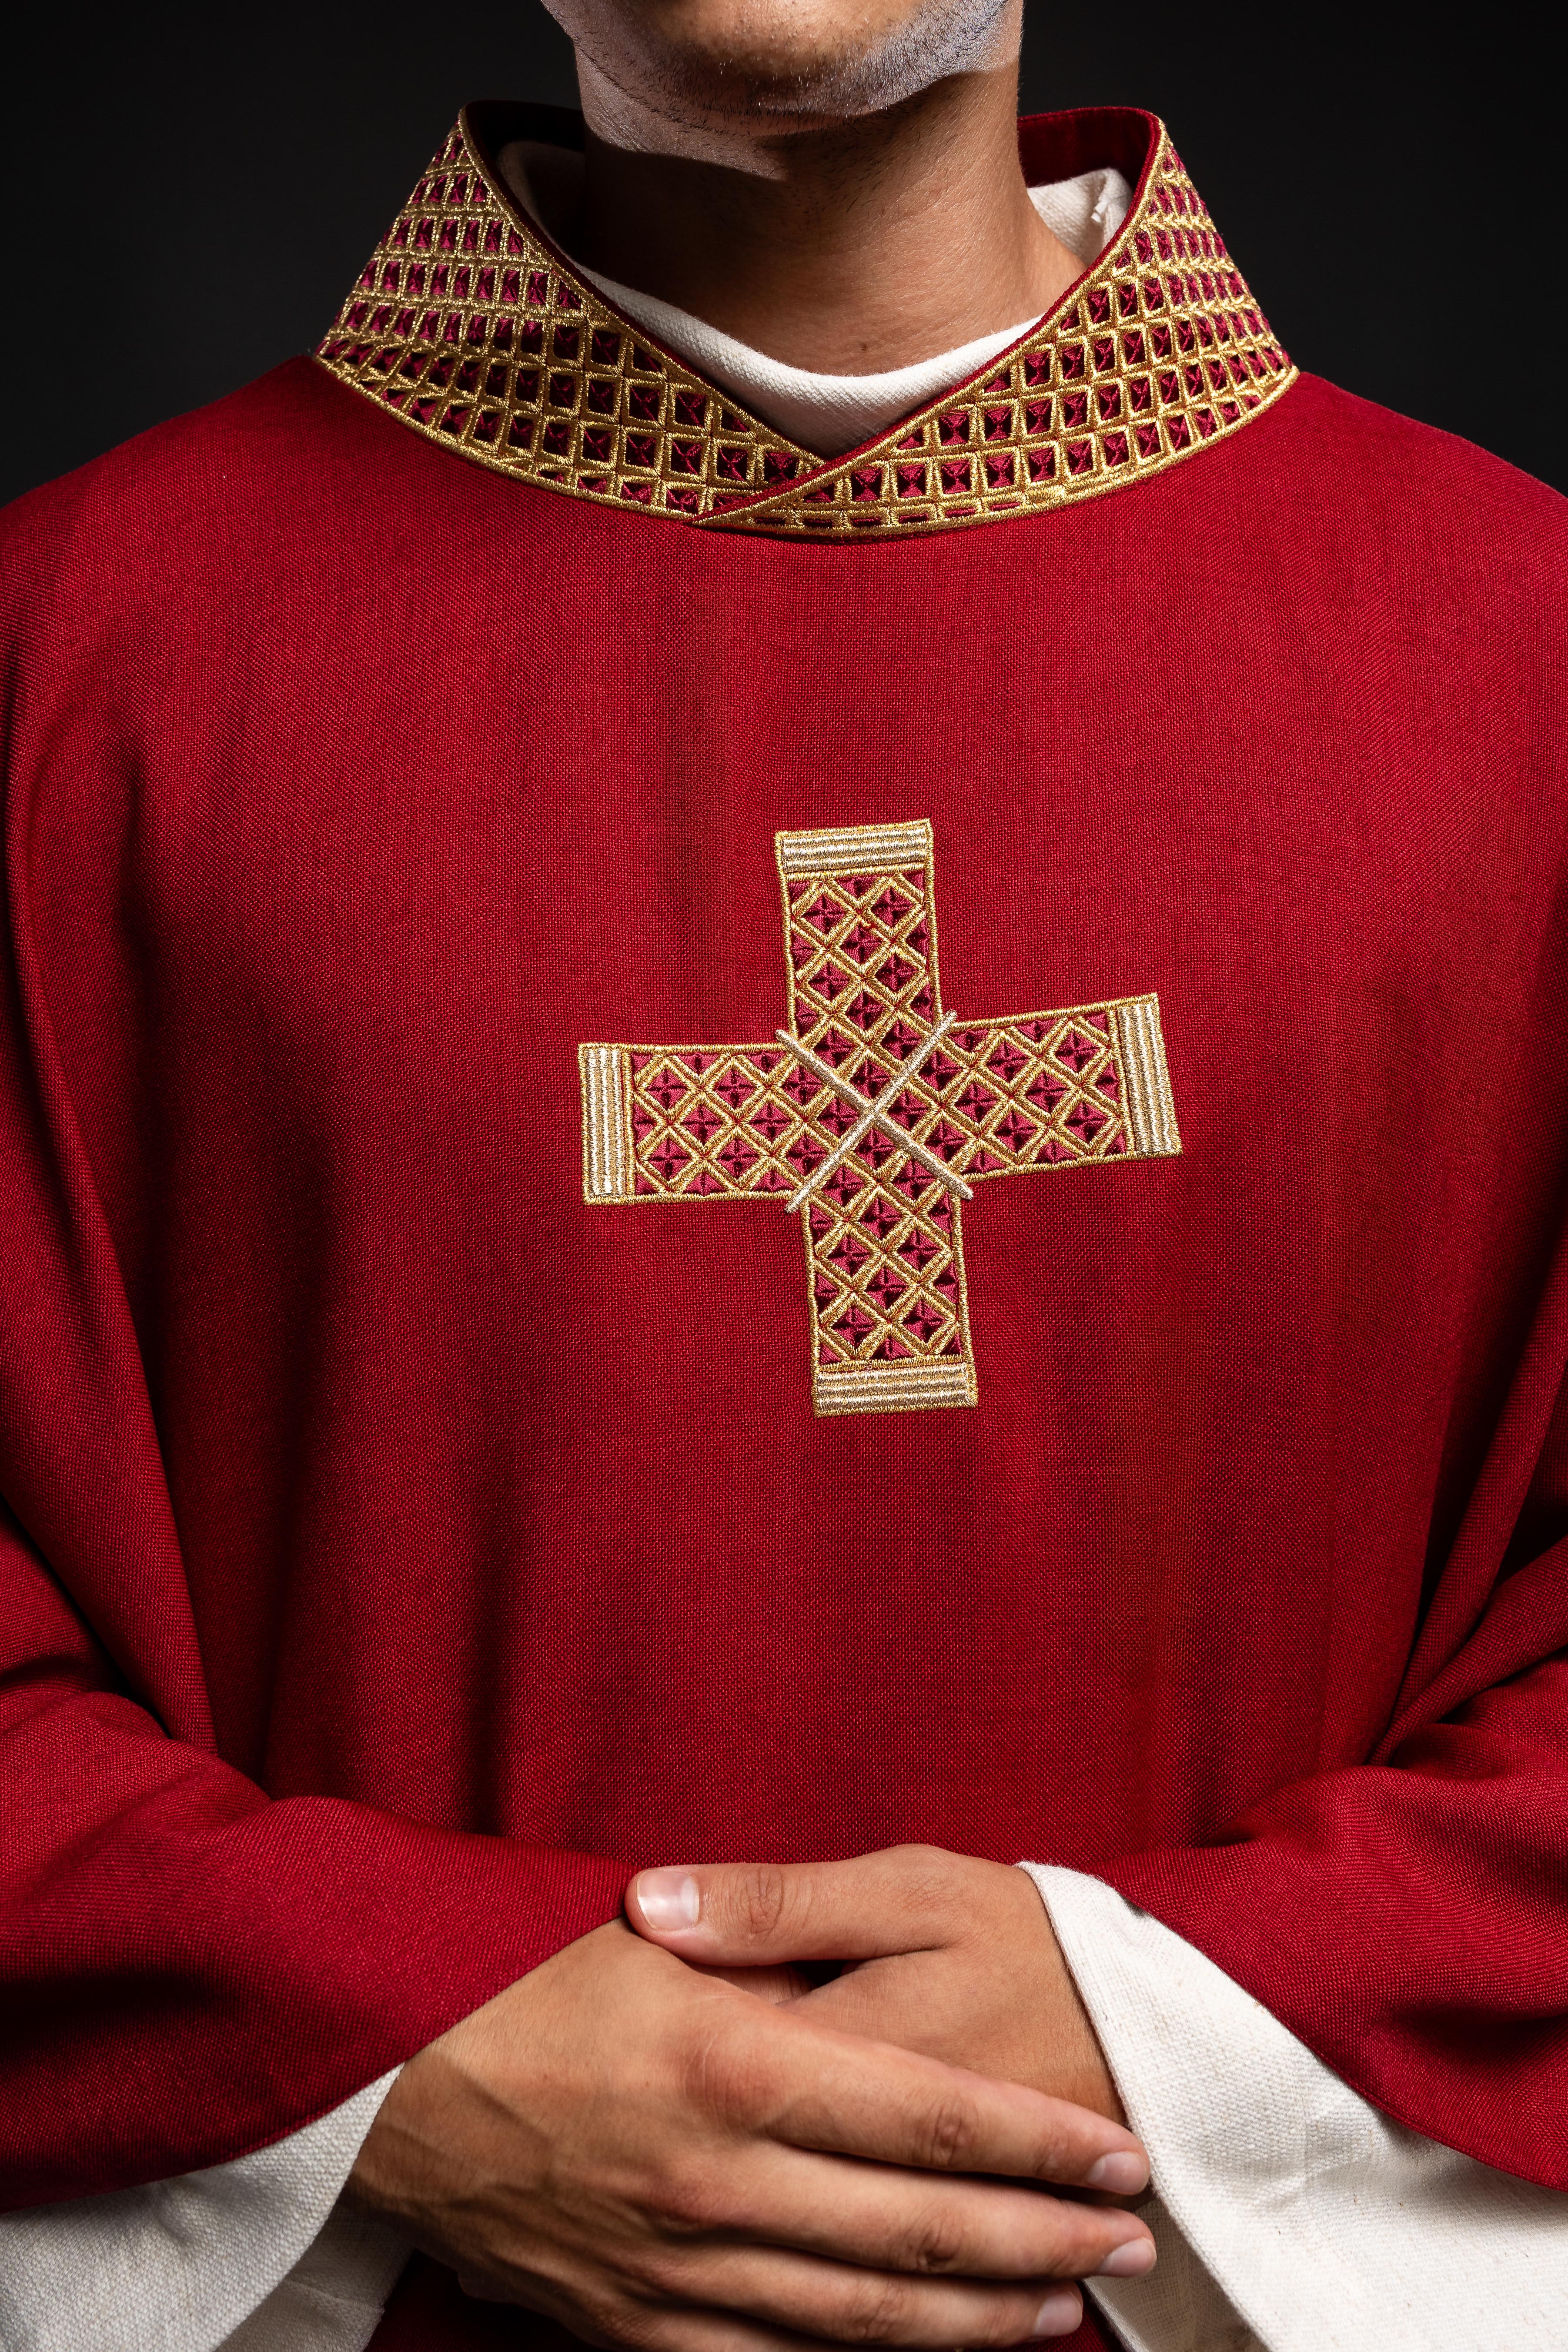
{"x": 470, "y": 326}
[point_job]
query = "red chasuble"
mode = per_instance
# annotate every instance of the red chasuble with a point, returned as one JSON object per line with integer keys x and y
{"x": 708, "y": 1155}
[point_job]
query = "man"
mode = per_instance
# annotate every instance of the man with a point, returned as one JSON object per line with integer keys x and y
{"x": 480, "y": 806}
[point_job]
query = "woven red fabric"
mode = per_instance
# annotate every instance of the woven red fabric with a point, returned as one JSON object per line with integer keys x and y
{"x": 399, "y": 1529}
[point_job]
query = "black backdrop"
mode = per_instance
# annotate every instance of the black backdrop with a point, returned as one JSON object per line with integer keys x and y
{"x": 191, "y": 193}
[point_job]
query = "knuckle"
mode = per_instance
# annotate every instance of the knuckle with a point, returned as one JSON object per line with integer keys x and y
{"x": 762, "y": 1899}
{"x": 691, "y": 2203}
{"x": 657, "y": 2275}
{"x": 936, "y": 1883}
{"x": 877, "y": 2312}
{"x": 731, "y": 2077}
{"x": 932, "y": 1865}
{"x": 936, "y": 2244}
{"x": 1004, "y": 2322}
{"x": 632, "y": 2325}
{"x": 951, "y": 2130}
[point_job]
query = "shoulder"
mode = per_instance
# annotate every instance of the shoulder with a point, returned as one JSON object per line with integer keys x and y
{"x": 189, "y": 500}
{"x": 290, "y": 531}
{"x": 1420, "y": 505}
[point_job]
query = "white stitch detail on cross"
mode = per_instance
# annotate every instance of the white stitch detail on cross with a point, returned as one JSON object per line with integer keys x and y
{"x": 873, "y": 1114}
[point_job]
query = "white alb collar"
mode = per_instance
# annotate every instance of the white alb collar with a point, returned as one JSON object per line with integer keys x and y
{"x": 831, "y": 414}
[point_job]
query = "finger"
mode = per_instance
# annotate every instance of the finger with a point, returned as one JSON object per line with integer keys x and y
{"x": 681, "y": 2329}
{"x": 908, "y": 1898}
{"x": 849, "y": 2306}
{"x": 815, "y": 2088}
{"x": 991, "y": 2019}
{"x": 882, "y": 2219}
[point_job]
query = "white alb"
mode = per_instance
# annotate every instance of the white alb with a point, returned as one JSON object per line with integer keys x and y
{"x": 257, "y": 2255}
{"x": 1291, "y": 2214}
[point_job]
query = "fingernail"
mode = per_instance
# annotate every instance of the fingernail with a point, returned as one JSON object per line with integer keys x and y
{"x": 1129, "y": 2261}
{"x": 669, "y": 1898}
{"x": 1123, "y": 2174}
{"x": 1061, "y": 2313}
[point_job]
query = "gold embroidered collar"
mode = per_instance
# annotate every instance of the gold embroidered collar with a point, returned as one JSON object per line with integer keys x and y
{"x": 471, "y": 327}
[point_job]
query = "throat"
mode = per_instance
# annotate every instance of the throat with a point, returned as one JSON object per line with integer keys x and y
{"x": 857, "y": 378}
{"x": 853, "y": 246}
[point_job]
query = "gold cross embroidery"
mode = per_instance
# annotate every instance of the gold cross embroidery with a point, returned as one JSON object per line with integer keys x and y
{"x": 874, "y": 1115}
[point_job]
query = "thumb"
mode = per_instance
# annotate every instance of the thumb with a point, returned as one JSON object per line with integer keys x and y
{"x": 751, "y": 1914}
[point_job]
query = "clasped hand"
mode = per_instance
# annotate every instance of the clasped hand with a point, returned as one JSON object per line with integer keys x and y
{"x": 668, "y": 2136}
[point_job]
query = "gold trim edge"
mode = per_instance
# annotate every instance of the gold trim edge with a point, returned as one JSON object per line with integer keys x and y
{"x": 469, "y": 326}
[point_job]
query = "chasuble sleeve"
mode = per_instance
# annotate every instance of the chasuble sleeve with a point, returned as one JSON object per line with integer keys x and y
{"x": 1408, "y": 1918}
{"x": 192, "y": 1970}
{"x": 190, "y": 1967}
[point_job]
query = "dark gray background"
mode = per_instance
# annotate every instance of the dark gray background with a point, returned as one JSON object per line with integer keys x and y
{"x": 190, "y": 196}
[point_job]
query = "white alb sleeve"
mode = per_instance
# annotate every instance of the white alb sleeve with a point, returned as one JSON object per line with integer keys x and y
{"x": 1291, "y": 2215}
{"x": 250, "y": 2255}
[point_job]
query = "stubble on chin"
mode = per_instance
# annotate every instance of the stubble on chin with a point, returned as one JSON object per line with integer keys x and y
{"x": 748, "y": 66}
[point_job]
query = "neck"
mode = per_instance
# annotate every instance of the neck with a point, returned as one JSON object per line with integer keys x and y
{"x": 846, "y": 246}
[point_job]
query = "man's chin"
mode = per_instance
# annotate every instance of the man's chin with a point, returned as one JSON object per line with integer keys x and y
{"x": 708, "y": 61}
